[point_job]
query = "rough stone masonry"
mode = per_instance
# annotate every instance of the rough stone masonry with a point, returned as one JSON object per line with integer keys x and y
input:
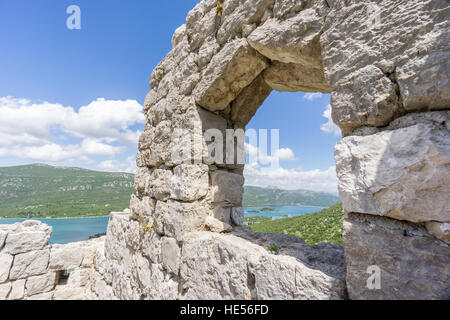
{"x": 386, "y": 64}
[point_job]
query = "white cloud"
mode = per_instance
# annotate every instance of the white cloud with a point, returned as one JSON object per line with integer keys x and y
{"x": 313, "y": 95}
{"x": 129, "y": 165}
{"x": 34, "y": 131}
{"x": 283, "y": 154}
{"x": 316, "y": 180}
{"x": 330, "y": 126}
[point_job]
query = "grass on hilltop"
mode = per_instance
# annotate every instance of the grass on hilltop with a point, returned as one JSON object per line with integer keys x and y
{"x": 325, "y": 225}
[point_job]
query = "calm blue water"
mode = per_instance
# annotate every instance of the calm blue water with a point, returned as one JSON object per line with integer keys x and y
{"x": 79, "y": 229}
{"x": 70, "y": 230}
{"x": 280, "y": 211}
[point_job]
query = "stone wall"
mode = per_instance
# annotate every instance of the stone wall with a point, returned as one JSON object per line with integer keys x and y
{"x": 32, "y": 269}
{"x": 386, "y": 65}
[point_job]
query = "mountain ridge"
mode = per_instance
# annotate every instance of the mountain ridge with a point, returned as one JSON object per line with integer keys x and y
{"x": 40, "y": 190}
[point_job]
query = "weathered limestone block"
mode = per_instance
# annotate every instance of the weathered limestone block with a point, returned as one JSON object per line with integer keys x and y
{"x": 160, "y": 183}
{"x": 237, "y": 14}
{"x": 79, "y": 278}
{"x": 189, "y": 182}
{"x": 115, "y": 236}
{"x": 244, "y": 107}
{"x": 216, "y": 266}
{"x": 294, "y": 40}
{"x": 402, "y": 173}
{"x": 5, "y": 288}
{"x": 174, "y": 218}
{"x": 142, "y": 180}
{"x": 215, "y": 225}
{"x": 41, "y": 284}
{"x": 227, "y": 187}
{"x": 178, "y": 35}
{"x": 141, "y": 208}
{"x": 439, "y": 230}
{"x": 287, "y": 8}
{"x": 69, "y": 293}
{"x": 167, "y": 288}
{"x": 3, "y": 234}
{"x": 29, "y": 264}
{"x": 368, "y": 97}
{"x": 17, "y": 290}
{"x": 229, "y": 71}
{"x": 293, "y": 77}
{"x": 42, "y": 296}
{"x": 237, "y": 216}
{"x": 170, "y": 255}
{"x": 27, "y": 236}
{"x": 66, "y": 257}
{"x": 413, "y": 264}
{"x": 201, "y": 23}
{"x": 405, "y": 39}
{"x": 154, "y": 145}
{"x": 151, "y": 247}
{"x": 5, "y": 265}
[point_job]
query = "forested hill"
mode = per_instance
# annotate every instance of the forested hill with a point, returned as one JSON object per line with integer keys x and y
{"x": 258, "y": 197}
{"x": 45, "y": 191}
{"x": 39, "y": 191}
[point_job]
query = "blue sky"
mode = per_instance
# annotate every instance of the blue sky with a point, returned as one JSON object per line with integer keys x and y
{"x": 73, "y": 97}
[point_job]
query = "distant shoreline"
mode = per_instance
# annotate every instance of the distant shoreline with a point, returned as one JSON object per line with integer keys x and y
{"x": 62, "y": 218}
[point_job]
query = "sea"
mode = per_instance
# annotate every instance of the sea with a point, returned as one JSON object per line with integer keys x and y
{"x": 67, "y": 230}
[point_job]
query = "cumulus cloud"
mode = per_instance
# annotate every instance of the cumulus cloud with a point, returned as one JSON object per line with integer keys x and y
{"x": 32, "y": 131}
{"x": 283, "y": 154}
{"x": 128, "y": 165}
{"x": 292, "y": 179}
{"x": 313, "y": 95}
{"x": 329, "y": 126}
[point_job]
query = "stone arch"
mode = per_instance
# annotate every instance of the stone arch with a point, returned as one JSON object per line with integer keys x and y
{"x": 220, "y": 70}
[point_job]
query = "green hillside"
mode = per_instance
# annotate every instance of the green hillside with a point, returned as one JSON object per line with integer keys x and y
{"x": 258, "y": 197}
{"x": 45, "y": 191}
{"x": 325, "y": 225}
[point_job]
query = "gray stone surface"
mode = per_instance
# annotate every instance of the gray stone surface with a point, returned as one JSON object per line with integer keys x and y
{"x": 413, "y": 264}
{"x": 402, "y": 173}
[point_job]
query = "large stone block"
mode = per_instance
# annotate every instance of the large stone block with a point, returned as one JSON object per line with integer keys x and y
{"x": 294, "y": 40}
{"x": 189, "y": 182}
{"x": 17, "y": 290}
{"x": 230, "y": 71}
{"x": 412, "y": 263}
{"x": 5, "y": 265}
{"x": 239, "y": 14}
{"x": 27, "y": 236}
{"x": 217, "y": 266}
{"x": 29, "y": 264}
{"x": 174, "y": 218}
{"x": 403, "y": 173}
{"x": 41, "y": 284}
{"x": 407, "y": 40}
{"x": 292, "y": 77}
{"x": 66, "y": 257}
{"x": 170, "y": 255}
